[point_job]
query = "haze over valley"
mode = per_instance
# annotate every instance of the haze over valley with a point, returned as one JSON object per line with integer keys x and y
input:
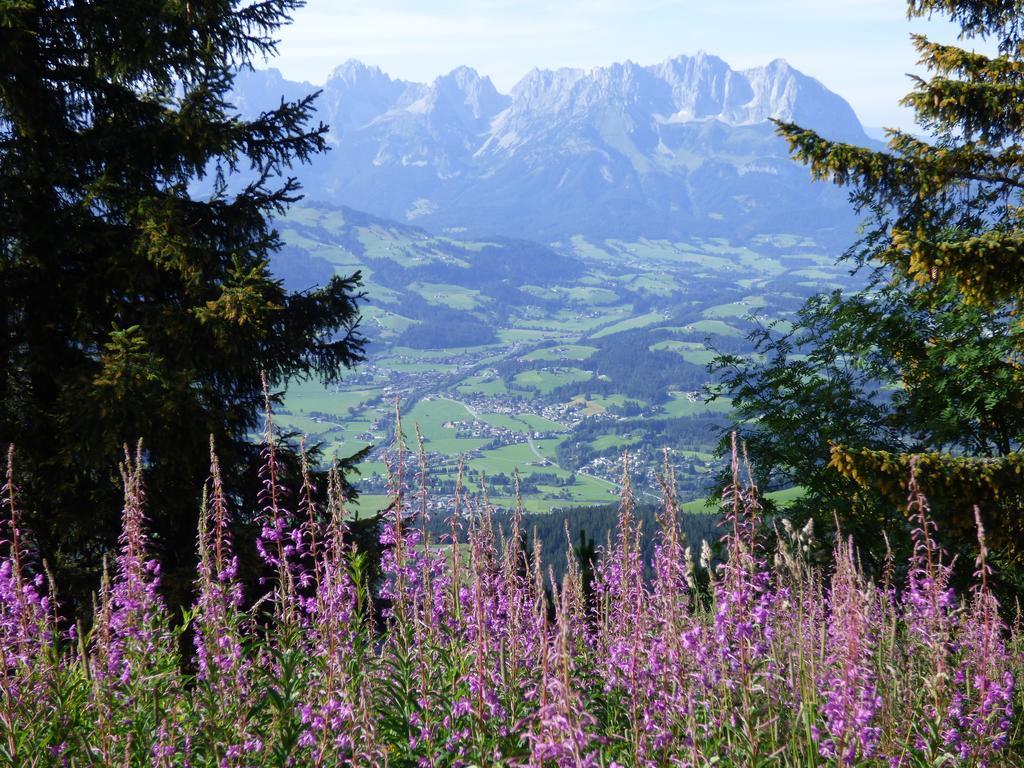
{"x": 550, "y": 271}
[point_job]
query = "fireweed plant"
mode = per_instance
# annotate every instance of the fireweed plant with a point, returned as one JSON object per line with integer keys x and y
{"x": 478, "y": 658}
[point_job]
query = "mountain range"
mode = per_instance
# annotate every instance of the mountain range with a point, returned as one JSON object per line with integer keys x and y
{"x": 681, "y": 148}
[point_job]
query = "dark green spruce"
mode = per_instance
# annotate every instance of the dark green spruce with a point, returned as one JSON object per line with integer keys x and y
{"x": 136, "y": 227}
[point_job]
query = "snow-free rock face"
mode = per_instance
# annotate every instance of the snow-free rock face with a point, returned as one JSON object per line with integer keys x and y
{"x": 684, "y": 147}
{"x": 783, "y": 93}
{"x": 355, "y": 94}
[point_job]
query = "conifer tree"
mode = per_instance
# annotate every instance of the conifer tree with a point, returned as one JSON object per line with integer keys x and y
{"x": 953, "y": 205}
{"x": 947, "y": 231}
{"x": 136, "y": 298}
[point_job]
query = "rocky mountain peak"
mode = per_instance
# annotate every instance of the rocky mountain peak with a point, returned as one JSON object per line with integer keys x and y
{"x": 683, "y": 146}
{"x": 782, "y": 92}
{"x": 354, "y": 71}
{"x": 464, "y": 90}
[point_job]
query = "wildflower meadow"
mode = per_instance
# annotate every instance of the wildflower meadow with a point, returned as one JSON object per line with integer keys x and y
{"x": 467, "y": 653}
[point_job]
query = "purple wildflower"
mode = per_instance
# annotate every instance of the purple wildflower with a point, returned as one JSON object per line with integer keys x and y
{"x": 132, "y": 618}
{"x": 981, "y": 710}
{"x": 218, "y": 642}
{"x": 850, "y": 732}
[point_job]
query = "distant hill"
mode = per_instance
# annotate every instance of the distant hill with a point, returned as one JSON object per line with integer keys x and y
{"x": 681, "y": 148}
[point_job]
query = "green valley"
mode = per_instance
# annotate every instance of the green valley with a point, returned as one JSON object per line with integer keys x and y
{"x": 548, "y": 361}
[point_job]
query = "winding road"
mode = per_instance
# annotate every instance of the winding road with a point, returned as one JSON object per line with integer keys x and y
{"x": 612, "y": 487}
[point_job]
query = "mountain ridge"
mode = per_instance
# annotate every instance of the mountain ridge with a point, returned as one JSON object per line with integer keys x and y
{"x": 684, "y": 146}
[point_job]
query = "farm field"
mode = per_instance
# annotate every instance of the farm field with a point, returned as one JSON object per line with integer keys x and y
{"x": 604, "y": 350}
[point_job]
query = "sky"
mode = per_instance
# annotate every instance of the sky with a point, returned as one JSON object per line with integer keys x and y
{"x": 858, "y": 48}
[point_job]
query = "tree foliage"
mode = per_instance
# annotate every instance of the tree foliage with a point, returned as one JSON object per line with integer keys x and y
{"x": 951, "y": 206}
{"x": 891, "y": 375}
{"x": 135, "y": 235}
{"x": 928, "y": 359}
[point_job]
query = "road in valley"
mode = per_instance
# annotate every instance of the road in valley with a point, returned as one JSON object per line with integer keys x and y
{"x": 612, "y": 487}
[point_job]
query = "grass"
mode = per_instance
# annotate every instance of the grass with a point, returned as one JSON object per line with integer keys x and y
{"x": 577, "y": 322}
{"x": 431, "y": 416}
{"x": 407, "y": 367}
{"x": 786, "y": 496}
{"x": 661, "y": 284}
{"x": 509, "y": 458}
{"x": 306, "y": 424}
{"x": 782, "y": 498}
{"x": 691, "y": 351}
{"x": 586, "y": 249}
{"x": 734, "y": 310}
{"x": 588, "y": 489}
{"x": 299, "y": 239}
{"x": 701, "y": 507}
{"x": 547, "y": 447}
{"x": 311, "y": 396}
{"x": 367, "y": 504}
{"x": 482, "y": 384}
{"x": 713, "y": 328}
{"x": 702, "y": 456}
{"x": 522, "y": 422}
{"x": 605, "y": 442}
{"x": 812, "y": 273}
{"x": 784, "y": 240}
{"x": 590, "y": 296}
{"x": 640, "y": 321}
{"x": 448, "y": 295}
{"x": 546, "y": 381}
{"x": 388, "y": 322}
{"x": 530, "y": 335}
{"x": 439, "y": 355}
{"x": 541, "y": 292}
{"x": 681, "y": 405}
{"x": 540, "y": 423}
{"x": 562, "y": 352}
{"x": 646, "y": 251}
{"x": 344, "y": 448}
{"x": 379, "y": 243}
{"x": 596, "y": 404}
{"x": 368, "y": 468}
{"x": 504, "y": 421}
